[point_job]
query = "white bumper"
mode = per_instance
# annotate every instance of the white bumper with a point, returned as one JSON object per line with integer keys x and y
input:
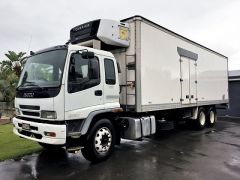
{"x": 60, "y": 131}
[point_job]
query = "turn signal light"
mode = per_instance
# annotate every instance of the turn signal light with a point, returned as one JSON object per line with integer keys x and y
{"x": 51, "y": 134}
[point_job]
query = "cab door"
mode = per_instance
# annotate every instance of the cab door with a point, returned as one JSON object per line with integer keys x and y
{"x": 84, "y": 87}
{"x": 111, "y": 84}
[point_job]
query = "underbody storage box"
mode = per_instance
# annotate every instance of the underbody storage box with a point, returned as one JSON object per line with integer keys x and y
{"x": 139, "y": 127}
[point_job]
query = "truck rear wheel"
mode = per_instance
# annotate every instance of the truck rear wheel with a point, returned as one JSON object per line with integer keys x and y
{"x": 211, "y": 117}
{"x": 201, "y": 119}
{"x": 100, "y": 141}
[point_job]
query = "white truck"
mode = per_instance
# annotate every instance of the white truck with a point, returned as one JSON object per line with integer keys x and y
{"x": 116, "y": 80}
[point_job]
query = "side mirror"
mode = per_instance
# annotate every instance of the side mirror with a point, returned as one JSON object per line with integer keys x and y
{"x": 87, "y": 55}
{"x": 72, "y": 75}
{"x": 72, "y": 61}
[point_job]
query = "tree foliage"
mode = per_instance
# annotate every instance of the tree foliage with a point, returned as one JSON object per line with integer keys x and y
{"x": 13, "y": 63}
{"x": 10, "y": 70}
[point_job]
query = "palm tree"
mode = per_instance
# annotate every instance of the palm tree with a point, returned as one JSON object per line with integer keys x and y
{"x": 14, "y": 62}
{"x": 10, "y": 71}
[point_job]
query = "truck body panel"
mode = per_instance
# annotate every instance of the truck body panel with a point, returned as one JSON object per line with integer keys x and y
{"x": 163, "y": 78}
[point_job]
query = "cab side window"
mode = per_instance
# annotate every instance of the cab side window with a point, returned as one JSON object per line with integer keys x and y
{"x": 110, "y": 75}
{"x": 83, "y": 73}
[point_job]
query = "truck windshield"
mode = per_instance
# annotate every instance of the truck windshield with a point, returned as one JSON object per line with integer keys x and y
{"x": 44, "y": 70}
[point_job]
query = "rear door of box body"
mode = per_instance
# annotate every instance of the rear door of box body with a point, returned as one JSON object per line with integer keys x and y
{"x": 188, "y": 81}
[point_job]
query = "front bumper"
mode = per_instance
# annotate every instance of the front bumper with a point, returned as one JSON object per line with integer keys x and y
{"x": 36, "y": 133}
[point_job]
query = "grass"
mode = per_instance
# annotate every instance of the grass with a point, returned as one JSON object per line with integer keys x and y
{"x": 12, "y": 146}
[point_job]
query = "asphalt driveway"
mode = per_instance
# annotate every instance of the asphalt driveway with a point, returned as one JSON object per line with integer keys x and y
{"x": 181, "y": 154}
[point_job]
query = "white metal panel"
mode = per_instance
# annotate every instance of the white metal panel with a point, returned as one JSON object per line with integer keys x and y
{"x": 212, "y": 78}
{"x": 131, "y": 49}
{"x": 58, "y": 105}
{"x": 44, "y": 103}
{"x": 160, "y": 69}
{"x": 193, "y": 81}
{"x": 185, "y": 80}
{"x": 121, "y": 59}
{"x": 114, "y": 33}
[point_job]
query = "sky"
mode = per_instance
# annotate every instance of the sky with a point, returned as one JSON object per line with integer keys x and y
{"x": 36, "y": 24}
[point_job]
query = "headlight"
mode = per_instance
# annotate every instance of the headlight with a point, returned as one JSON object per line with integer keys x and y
{"x": 48, "y": 115}
{"x": 17, "y": 111}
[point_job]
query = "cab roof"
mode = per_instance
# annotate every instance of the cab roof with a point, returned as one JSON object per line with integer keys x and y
{"x": 96, "y": 51}
{"x": 71, "y": 47}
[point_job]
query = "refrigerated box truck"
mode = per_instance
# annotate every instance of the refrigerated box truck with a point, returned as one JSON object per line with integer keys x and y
{"x": 116, "y": 80}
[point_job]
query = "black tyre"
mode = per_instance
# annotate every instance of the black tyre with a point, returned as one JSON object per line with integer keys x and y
{"x": 201, "y": 119}
{"x": 100, "y": 141}
{"x": 211, "y": 117}
{"x": 50, "y": 146}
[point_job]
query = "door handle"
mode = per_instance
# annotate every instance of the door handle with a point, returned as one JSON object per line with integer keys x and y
{"x": 98, "y": 93}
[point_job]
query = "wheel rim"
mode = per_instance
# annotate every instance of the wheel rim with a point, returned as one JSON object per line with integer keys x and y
{"x": 212, "y": 117}
{"x": 202, "y": 118}
{"x": 103, "y": 140}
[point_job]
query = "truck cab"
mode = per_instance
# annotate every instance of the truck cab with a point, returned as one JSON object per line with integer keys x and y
{"x": 58, "y": 89}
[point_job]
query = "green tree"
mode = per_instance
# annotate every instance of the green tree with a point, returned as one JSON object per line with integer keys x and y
{"x": 10, "y": 70}
{"x": 14, "y": 62}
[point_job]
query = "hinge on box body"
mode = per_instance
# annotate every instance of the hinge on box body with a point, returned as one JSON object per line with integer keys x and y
{"x": 181, "y": 80}
{"x": 195, "y": 82}
{"x": 131, "y": 85}
{"x": 181, "y": 99}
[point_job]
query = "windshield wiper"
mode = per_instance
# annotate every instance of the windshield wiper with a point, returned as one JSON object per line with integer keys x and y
{"x": 28, "y": 83}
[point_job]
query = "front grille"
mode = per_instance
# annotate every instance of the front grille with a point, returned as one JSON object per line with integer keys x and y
{"x": 29, "y": 107}
{"x": 30, "y": 134}
{"x": 30, "y": 110}
{"x": 30, "y": 113}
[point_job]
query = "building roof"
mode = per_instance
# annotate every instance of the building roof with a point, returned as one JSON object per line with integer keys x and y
{"x": 234, "y": 75}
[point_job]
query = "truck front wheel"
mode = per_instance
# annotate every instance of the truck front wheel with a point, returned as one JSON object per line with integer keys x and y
{"x": 100, "y": 141}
